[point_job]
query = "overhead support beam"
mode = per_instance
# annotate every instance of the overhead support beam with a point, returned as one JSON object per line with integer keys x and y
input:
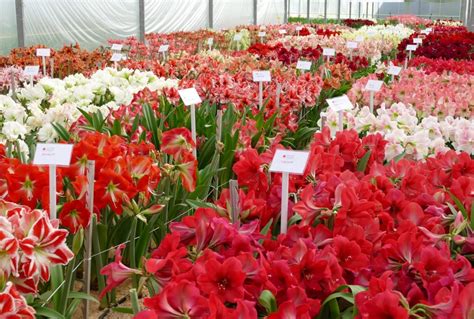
{"x": 255, "y": 11}
{"x": 20, "y": 26}
{"x": 141, "y": 20}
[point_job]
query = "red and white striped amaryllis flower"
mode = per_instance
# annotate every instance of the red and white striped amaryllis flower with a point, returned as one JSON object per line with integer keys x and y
{"x": 30, "y": 243}
{"x": 13, "y": 305}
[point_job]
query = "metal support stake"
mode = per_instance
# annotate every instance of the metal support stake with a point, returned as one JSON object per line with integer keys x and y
{"x": 360, "y": 8}
{"x": 338, "y": 10}
{"x": 285, "y": 14}
{"x": 307, "y": 10}
{"x": 255, "y": 11}
{"x": 20, "y": 26}
{"x": 325, "y": 11}
{"x": 367, "y": 10}
{"x": 141, "y": 20}
{"x": 350, "y": 9}
{"x": 211, "y": 14}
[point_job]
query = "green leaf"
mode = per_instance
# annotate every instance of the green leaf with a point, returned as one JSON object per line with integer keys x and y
{"x": 399, "y": 157}
{"x": 459, "y": 204}
{"x": 62, "y": 132}
{"x": 268, "y": 301}
{"x": 362, "y": 165}
{"x": 48, "y": 312}
{"x": 200, "y": 204}
{"x": 82, "y": 295}
{"x": 265, "y": 229}
{"x": 336, "y": 295}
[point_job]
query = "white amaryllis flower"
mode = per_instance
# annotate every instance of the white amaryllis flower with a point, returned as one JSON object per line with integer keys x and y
{"x": 13, "y": 130}
{"x": 47, "y": 133}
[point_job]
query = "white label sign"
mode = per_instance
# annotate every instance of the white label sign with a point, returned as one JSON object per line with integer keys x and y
{"x": 210, "y": 41}
{"x": 117, "y": 47}
{"x": 394, "y": 70}
{"x": 163, "y": 48}
{"x": 373, "y": 85}
{"x": 282, "y": 31}
{"x": 411, "y": 47}
{"x": 116, "y": 57}
{"x": 418, "y": 40}
{"x": 352, "y": 45}
{"x": 53, "y": 154}
{"x": 261, "y": 76}
{"x": 303, "y": 65}
{"x": 237, "y": 37}
{"x": 190, "y": 96}
{"x": 261, "y": 34}
{"x": 43, "y": 52}
{"x": 329, "y": 52}
{"x": 31, "y": 70}
{"x": 286, "y": 161}
{"x": 340, "y": 103}
{"x": 299, "y": 28}
{"x": 359, "y": 38}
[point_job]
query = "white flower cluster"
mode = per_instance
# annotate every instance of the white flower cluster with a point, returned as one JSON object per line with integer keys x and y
{"x": 58, "y": 101}
{"x": 406, "y": 133}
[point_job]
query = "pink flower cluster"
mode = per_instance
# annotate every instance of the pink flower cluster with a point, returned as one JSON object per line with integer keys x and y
{"x": 431, "y": 94}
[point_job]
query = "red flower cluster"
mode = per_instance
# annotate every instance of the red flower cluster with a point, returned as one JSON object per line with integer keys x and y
{"x": 357, "y": 23}
{"x": 441, "y": 66}
{"x": 442, "y": 43}
{"x": 385, "y": 227}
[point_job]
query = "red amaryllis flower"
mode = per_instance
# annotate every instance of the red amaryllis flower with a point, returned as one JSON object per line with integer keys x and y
{"x": 116, "y": 272}
{"x": 112, "y": 189}
{"x": 177, "y": 141}
{"x": 249, "y": 171}
{"x": 74, "y": 215}
{"x": 225, "y": 280}
{"x": 179, "y": 300}
{"x": 385, "y": 304}
{"x": 188, "y": 172}
{"x": 26, "y": 185}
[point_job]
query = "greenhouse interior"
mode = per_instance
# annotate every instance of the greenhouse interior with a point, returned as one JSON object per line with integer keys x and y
{"x": 237, "y": 159}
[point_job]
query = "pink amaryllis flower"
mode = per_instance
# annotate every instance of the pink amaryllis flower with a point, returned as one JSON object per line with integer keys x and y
{"x": 13, "y": 305}
{"x": 116, "y": 272}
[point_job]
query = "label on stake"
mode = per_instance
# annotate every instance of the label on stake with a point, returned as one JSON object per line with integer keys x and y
{"x": 329, "y": 52}
{"x": 288, "y": 161}
{"x": 340, "y": 103}
{"x": 261, "y": 34}
{"x": 53, "y": 154}
{"x": 238, "y": 37}
{"x": 189, "y": 96}
{"x": 43, "y": 52}
{"x": 411, "y": 47}
{"x": 303, "y": 65}
{"x": 352, "y": 45}
{"x": 373, "y": 85}
{"x": 163, "y": 48}
{"x": 261, "y": 76}
{"x": 116, "y": 57}
{"x": 31, "y": 70}
{"x": 117, "y": 47}
{"x": 418, "y": 40}
{"x": 394, "y": 70}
